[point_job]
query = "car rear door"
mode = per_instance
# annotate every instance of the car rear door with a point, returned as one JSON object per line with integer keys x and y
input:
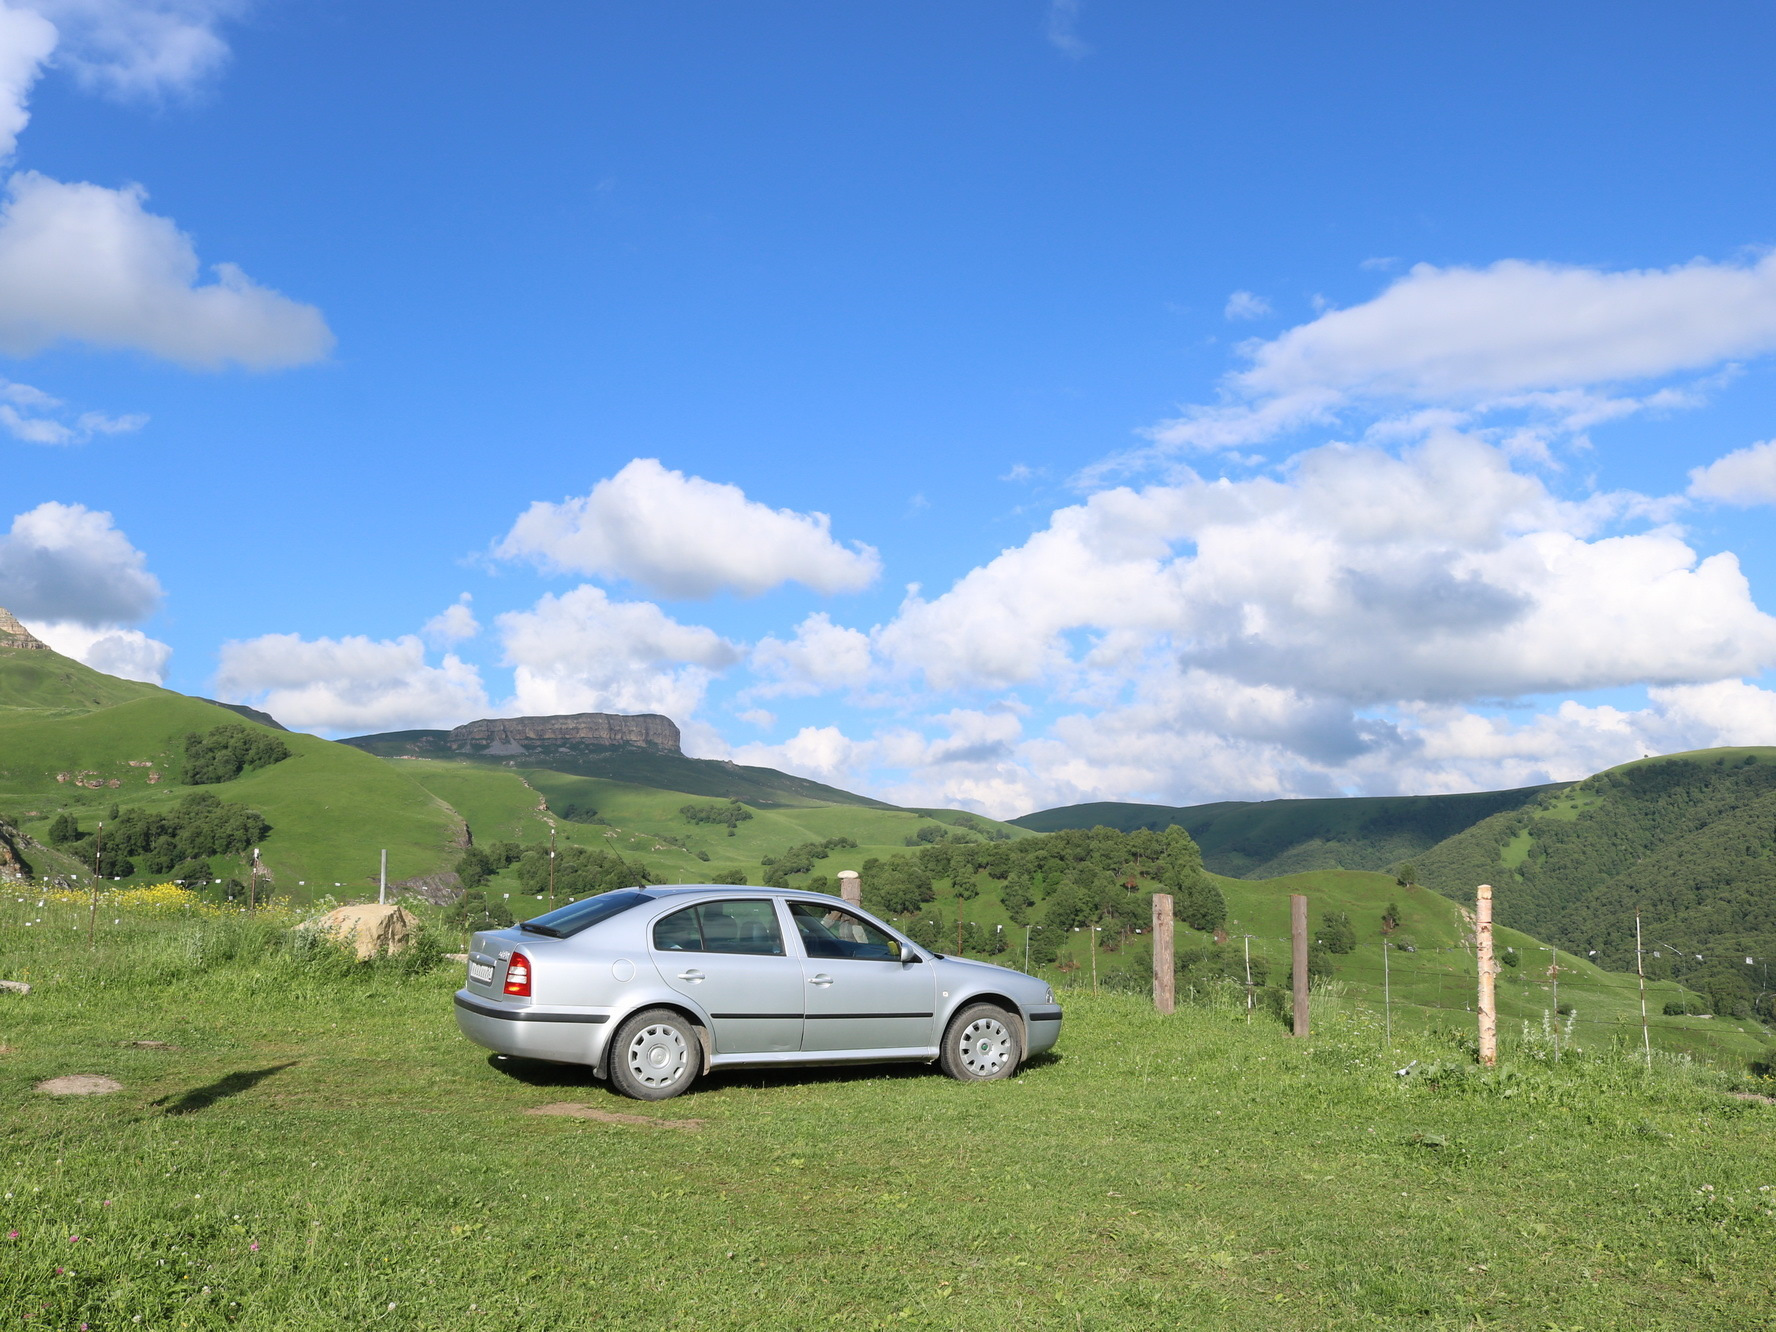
{"x": 860, "y": 995}
{"x": 728, "y": 957}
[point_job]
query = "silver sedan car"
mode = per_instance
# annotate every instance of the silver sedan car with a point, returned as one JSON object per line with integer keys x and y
{"x": 651, "y": 987}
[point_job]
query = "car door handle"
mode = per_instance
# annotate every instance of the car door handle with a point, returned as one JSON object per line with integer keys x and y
{"x": 821, "y": 979}
{"x": 691, "y": 975}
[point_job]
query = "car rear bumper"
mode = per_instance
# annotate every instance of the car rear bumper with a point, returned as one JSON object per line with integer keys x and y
{"x": 1042, "y": 1028}
{"x": 529, "y": 1033}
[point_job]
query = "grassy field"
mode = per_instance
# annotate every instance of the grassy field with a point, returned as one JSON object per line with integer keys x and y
{"x": 315, "y": 1145}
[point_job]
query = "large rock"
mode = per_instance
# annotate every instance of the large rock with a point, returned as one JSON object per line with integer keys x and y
{"x": 15, "y": 635}
{"x": 370, "y": 929}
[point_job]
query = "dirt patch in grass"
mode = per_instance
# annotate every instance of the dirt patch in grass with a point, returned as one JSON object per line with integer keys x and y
{"x": 150, "y": 1045}
{"x": 78, "y": 1084}
{"x": 574, "y": 1110}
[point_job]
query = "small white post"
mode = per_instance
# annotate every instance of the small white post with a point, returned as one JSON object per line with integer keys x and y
{"x": 382, "y": 881}
{"x": 1488, "y": 1005}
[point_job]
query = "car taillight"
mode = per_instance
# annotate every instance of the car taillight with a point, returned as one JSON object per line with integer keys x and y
{"x": 518, "y": 976}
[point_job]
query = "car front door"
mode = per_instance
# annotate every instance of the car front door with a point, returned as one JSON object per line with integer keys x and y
{"x": 729, "y": 957}
{"x": 860, "y": 995}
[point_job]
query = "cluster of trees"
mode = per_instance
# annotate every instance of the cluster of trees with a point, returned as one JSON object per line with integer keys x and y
{"x": 225, "y": 752}
{"x": 800, "y": 858}
{"x": 577, "y": 813}
{"x": 475, "y": 910}
{"x": 579, "y": 871}
{"x": 731, "y": 813}
{"x": 177, "y": 842}
{"x": 1060, "y": 881}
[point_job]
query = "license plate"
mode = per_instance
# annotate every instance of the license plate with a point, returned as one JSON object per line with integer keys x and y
{"x": 480, "y": 972}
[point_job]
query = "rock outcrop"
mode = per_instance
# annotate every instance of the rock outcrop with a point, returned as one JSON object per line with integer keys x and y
{"x": 15, "y": 635}
{"x": 572, "y": 734}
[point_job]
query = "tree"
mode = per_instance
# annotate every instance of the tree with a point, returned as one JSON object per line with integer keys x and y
{"x": 1390, "y": 919}
{"x": 476, "y": 911}
{"x": 1336, "y": 932}
{"x": 728, "y": 876}
{"x": 1407, "y": 875}
{"x": 64, "y": 828}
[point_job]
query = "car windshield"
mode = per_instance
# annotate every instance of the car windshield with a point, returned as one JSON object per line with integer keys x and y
{"x": 576, "y": 916}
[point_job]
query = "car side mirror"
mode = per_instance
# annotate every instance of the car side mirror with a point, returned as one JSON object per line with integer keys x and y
{"x": 908, "y": 956}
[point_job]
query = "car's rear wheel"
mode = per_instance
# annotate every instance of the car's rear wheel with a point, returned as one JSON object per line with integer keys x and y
{"x": 983, "y": 1042}
{"x": 655, "y": 1055}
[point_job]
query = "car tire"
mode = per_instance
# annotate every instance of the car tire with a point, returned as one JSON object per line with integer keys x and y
{"x": 983, "y": 1042}
{"x": 655, "y": 1055}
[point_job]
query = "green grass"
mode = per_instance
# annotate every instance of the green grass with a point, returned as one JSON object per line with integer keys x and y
{"x": 321, "y": 1149}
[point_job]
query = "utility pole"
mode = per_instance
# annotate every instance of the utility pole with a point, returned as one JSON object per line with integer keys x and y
{"x": 1298, "y": 956}
{"x": 551, "y": 867}
{"x": 1026, "y": 949}
{"x": 1646, "y": 1038}
{"x": 1165, "y": 972}
{"x": 1488, "y": 999}
{"x": 253, "y": 882}
{"x": 1094, "y": 948}
{"x": 382, "y": 880}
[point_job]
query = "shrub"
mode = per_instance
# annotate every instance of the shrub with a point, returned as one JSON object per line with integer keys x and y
{"x": 1336, "y": 932}
{"x": 728, "y": 876}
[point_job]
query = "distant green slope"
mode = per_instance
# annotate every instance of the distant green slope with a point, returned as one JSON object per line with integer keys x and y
{"x": 637, "y": 767}
{"x": 47, "y": 682}
{"x": 332, "y": 808}
{"x": 1262, "y": 839}
{"x": 1688, "y": 839}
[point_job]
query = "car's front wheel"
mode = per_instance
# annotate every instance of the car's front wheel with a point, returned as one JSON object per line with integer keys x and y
{"x": 982, "y": 1043}
{"x": 655, "y": 1055}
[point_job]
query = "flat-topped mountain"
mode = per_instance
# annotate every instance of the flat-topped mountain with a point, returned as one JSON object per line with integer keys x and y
{"x": 510, "y": 737}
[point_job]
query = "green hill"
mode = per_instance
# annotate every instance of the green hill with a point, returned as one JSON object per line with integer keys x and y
{"x": 1688, "y": 839}
{"x": 1262, "y": 839}
{"x": 75, "y": 740}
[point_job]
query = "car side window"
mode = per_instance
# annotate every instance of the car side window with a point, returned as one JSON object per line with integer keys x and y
{"x": 834, "y": 932}
{"x": 721, "y": 927}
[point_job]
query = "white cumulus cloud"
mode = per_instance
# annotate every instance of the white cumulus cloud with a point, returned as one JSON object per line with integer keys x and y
{"x": 84, "y": 263}
{"x": 350, "y": 685}
{"x": 1246, "y": 305}
{"x": 26, "y": 40}
{"x": 1745, "y": 477}
{"x": 583, "y": 652}
{"x": 66, "y": 563}
{"x": 683, "y": 536}
{"x": 128, "y": 653}
{"x": 819, "y": 657}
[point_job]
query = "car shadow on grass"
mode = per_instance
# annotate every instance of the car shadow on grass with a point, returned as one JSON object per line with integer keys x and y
{"x": 537, "y": 1074}
{"x": 230, "y": 1084}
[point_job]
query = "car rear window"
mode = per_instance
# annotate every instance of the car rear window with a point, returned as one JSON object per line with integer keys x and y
{"x": 569, "y": 920}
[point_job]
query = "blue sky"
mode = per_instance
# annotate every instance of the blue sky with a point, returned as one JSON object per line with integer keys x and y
{"x": 1265, "y": 401}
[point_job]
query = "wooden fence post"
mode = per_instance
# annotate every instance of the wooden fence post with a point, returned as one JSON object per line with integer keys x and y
{"x": 1165, "y": 975}
{"x": 1298, "y": 938}
{"x": 1488, "y": 1005}
{"x": 851, "y": 887}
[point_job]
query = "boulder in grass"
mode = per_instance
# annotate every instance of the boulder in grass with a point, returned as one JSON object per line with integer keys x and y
{"x": 369, "y": 930}
{"x": 14, "y": 987}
